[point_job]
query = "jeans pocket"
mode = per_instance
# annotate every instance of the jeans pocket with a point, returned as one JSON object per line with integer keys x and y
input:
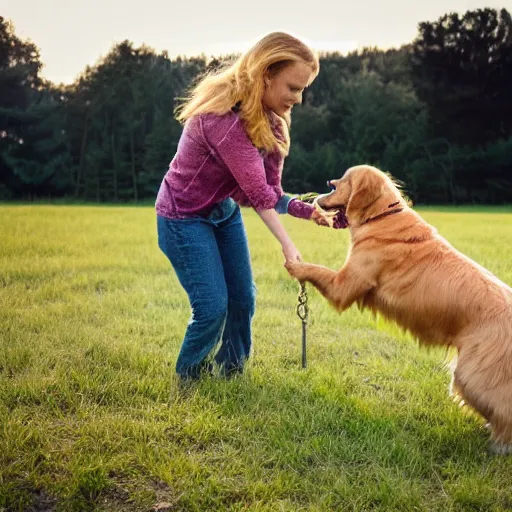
{"x": 223, "y": 211}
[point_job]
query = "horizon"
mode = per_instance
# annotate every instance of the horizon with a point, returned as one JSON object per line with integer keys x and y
{"x": 91, "y": 29}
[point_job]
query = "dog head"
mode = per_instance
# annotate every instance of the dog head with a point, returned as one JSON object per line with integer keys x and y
{"x": 362, "y": 193}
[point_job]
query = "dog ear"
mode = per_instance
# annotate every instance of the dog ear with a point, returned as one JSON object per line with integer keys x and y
{"x": 366, "y": 191}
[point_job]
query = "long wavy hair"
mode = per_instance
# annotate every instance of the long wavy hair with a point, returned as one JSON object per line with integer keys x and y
{"x": 243, "y": 82}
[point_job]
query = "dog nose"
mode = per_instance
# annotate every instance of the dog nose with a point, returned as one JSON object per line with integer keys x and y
{"x": 330, "y": 186}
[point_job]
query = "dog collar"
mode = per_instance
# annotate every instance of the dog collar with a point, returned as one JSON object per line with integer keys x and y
{"x": 385, "y": 214}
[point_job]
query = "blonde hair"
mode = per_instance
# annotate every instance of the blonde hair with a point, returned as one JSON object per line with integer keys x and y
{"x": 243, "y": 82}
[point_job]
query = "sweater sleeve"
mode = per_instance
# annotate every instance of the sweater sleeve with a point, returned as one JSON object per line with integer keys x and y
{"x": 300, "y": 209}
{"x": 229, "y": 141}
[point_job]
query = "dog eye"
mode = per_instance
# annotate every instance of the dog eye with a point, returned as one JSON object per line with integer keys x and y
{"x": 330, "y": 186}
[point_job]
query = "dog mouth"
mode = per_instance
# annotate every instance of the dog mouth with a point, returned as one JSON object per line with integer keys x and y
{"x": 336, "y": 216}
{"x": 340, "y": 220}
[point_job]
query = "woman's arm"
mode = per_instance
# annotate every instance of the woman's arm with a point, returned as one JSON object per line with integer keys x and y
{"x": 272, "y": 221}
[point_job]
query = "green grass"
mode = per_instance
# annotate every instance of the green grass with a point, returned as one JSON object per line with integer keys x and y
{"x": 91, "y": 321}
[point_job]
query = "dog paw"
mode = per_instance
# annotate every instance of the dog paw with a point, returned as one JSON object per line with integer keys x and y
{"x": 295, "y": 269}
{"x": 500, "y": 448}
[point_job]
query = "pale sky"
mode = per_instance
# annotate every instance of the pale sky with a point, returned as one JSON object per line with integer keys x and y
{"x": 74, "y": 33}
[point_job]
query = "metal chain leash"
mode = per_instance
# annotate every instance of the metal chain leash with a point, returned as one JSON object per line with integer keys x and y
{"x": 302, "y": 306}
{"x": 303, "y": 313}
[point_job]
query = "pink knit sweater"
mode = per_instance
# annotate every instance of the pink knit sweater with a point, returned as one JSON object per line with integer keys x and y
{"x": 216, "y": 160}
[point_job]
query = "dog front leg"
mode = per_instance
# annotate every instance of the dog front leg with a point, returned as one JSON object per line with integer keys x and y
{"x": 341, "y": 288}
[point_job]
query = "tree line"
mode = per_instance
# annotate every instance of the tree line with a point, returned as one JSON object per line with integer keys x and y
{"x": 435, "y": 113}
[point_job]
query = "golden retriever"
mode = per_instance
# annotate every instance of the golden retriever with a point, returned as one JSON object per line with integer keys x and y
{"x": 399, "y": 266}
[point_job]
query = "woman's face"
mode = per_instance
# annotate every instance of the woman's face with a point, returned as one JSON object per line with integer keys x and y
{"x": 284, "y": 89}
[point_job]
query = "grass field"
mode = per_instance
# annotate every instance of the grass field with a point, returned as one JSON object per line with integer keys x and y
{"x": 91, "y": 321}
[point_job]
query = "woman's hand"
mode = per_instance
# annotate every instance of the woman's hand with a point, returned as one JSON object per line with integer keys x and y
{"x": 291, "y": 253}
{"x": 319, "y": 218}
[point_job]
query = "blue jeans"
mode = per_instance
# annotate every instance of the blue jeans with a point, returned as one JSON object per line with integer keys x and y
{"x": 211, "y": 258}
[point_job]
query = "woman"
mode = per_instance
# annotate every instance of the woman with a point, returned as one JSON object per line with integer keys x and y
{"x": 231, "y": 153}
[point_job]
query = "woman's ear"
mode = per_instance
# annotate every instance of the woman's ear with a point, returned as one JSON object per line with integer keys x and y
{"x": 268, "y": 75}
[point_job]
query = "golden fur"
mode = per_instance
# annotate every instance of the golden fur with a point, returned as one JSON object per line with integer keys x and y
{"x": 399, "y": 266}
